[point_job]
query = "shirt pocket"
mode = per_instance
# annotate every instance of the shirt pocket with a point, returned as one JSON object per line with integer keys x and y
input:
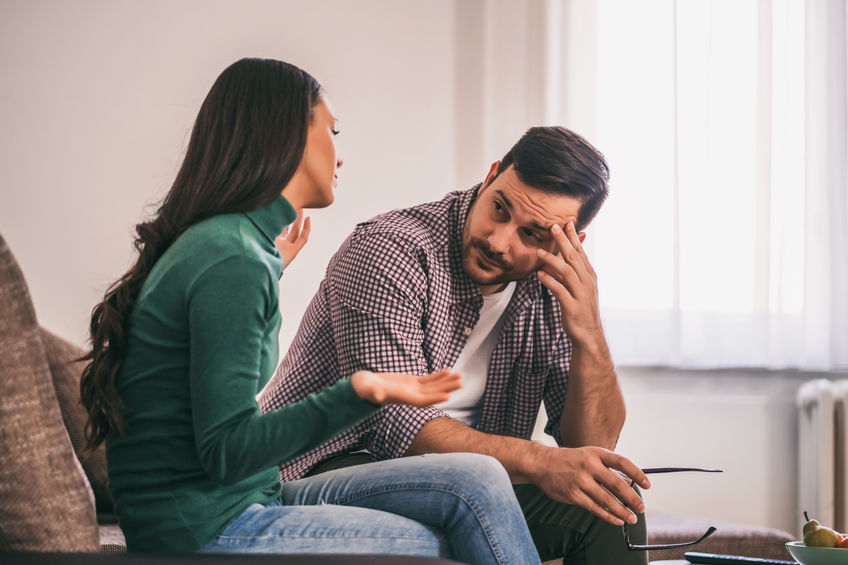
{"x": 527, "y": 388}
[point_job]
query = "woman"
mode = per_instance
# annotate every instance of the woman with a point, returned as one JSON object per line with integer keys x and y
{"x": 185, "y": 340}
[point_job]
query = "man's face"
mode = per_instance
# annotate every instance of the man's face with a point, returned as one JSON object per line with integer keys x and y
{"x": 507, "y": 223}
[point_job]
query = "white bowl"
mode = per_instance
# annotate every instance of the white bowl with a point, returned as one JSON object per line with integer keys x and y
{"x": 808, "y": 555}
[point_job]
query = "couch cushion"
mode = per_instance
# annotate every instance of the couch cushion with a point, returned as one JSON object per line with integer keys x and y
{"x": 112, "y": 539}
{"x": 66, "y": 370}
{"x": 43, "y": 496}
{"x": 729, "y": 538}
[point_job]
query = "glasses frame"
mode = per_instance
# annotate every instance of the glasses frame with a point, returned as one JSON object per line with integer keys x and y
{"x": 657, "y": 547}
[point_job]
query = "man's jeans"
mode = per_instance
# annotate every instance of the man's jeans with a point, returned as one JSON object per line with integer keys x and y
{"x": 559, "y": 530}
{"x": 457, "y": 505}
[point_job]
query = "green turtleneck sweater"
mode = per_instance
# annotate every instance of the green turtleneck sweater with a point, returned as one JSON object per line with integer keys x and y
{"x": 202, "y": 343}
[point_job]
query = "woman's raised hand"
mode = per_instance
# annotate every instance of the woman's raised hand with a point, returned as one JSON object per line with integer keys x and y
{"x": 291, "y": 241}
{"x": 399, "y": 388}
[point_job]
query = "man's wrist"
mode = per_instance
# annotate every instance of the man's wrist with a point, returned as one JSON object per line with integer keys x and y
{"x": 530, "y": 463}
{"x": 592, "y": 341}
{"x": 593, "y": 351}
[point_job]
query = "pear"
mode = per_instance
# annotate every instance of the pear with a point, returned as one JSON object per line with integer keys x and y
{"x": 810, "y": 525}
{"x": 821, "y": 536}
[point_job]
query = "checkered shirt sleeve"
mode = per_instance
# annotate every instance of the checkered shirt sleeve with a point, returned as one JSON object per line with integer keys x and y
{"x": 377, "y": 294}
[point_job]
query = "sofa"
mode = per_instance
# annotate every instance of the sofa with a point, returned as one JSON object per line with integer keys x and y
{"x": 54, "y": 502}
{"x": 729, "y": 538}
{"x": 50, "y": 498}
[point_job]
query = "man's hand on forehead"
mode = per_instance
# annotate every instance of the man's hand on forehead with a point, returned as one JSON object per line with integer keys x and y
{"x": 569, "y": 276}
{"x": 569, "y": 256}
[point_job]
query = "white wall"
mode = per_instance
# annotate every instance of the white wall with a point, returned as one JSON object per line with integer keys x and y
{"x": 97, "y": 99}
{"x": 743, "y": 422}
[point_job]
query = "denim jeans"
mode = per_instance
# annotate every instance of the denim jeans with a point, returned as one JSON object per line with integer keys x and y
{"x": 559, "y": 530}
{"x": 457, "y": 505}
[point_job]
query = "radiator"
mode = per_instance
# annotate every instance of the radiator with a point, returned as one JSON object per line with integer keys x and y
{"x": 823, "y": 452}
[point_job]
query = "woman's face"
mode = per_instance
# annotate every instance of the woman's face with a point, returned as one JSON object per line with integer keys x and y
{"x": 317, "y": 174}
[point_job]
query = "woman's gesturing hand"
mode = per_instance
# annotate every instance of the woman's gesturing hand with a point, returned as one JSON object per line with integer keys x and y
{"x": 399, "y": 388}
{"x": 291, "y": 241}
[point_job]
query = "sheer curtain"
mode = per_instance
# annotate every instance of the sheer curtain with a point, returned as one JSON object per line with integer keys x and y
{"x": 725, "y": 240}
{"x": 725, "y": 124}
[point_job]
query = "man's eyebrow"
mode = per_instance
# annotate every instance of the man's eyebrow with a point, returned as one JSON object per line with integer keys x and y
{"x": 534, "y": 224}
{"x": 506, "y": 200}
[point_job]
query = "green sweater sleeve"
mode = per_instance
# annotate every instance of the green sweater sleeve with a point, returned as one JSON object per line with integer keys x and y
{"x": 231, "y": 306}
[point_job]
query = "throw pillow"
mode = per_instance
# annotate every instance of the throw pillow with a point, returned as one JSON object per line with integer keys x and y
{"x": 65, "y": 369}
{"x": 43, "y": 496}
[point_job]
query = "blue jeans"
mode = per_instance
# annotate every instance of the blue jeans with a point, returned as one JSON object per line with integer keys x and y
{"x": 456, "y": 505}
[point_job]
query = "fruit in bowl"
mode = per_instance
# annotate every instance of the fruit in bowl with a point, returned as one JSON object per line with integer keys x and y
{"x": 816, "y": 535}
{"x": 821, "y": 545}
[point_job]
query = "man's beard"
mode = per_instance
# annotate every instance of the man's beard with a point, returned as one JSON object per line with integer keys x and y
{"x": 471, "y": 266}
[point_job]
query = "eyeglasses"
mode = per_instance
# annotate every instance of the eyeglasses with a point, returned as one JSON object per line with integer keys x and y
{"x": 649, "y": 547}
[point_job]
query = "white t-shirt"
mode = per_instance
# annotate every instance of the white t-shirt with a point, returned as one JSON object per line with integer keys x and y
{"x": 473, "y": 362}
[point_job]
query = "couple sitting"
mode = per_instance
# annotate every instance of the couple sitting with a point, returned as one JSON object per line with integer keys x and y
{"x": 492, "y": 282}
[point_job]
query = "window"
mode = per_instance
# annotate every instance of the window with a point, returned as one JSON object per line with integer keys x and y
{"x": 707, "y": 252}
{"x": 725, "y": 239}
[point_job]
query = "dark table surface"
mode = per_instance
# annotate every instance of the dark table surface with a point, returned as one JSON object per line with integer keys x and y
{"x": 211, "y": 559}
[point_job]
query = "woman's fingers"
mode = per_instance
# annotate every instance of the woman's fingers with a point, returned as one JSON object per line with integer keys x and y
{"x": 442, "y": 375}
{"x": 294, "y": 228}
{"x": 304, "y": 232}
{"x": 291, "y": 241}
{"x": 448, "y": 383}
{"x": 435, "y": 375}
{"x": 401, "y": 388}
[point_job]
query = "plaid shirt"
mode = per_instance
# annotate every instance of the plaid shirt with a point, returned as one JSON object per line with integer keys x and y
{"x": 396, "y": 299}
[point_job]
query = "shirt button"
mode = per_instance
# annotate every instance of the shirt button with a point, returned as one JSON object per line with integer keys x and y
{"x": 467, "y": 331}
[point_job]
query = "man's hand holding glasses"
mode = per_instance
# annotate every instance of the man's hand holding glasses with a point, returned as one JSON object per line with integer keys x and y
{"x": 602, "y": 482}
{"x": 596, "y": 479}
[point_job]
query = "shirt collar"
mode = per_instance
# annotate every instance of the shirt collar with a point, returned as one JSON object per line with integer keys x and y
{"x": 465, "y": 290}
{"x": 273, "y": 218}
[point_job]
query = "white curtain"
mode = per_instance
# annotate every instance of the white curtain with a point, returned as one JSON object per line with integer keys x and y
{"x": 725, "y": 240}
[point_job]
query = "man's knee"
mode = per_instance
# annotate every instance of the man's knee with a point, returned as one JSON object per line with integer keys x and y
{"x": 473, "y": 468}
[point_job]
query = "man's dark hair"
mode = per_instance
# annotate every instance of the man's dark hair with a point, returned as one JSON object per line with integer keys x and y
{"x": 557, "y": 160}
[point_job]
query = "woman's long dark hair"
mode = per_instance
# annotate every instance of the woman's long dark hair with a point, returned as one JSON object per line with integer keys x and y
{"x": 246, "y": 144}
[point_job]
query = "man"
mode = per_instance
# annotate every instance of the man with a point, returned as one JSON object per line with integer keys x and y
{"x": 494, "y": 282}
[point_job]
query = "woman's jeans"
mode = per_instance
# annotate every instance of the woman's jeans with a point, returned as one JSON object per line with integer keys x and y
{"x": 456, "y": 505}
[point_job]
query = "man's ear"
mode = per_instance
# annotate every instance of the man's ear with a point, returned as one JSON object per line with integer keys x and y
{"x": 493, "y": 172}
{"x": 581, "y": 235}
